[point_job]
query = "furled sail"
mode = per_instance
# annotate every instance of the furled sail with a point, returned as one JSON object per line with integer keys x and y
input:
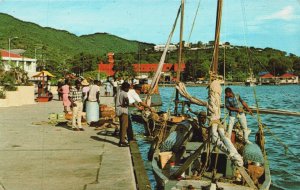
{"x": 217, "y": 129}
{"x": 161, "y": 63}
{"x": 183, "y": 92}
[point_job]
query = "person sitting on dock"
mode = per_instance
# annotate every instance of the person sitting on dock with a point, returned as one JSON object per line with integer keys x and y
{"x": 76, "y": 97}
{"x": 235, "y": 105}
{"x": 122, "y": 103}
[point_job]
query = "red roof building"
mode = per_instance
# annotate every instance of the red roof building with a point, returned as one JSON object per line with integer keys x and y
{"x": 267, "y": 76}
{"x": 288, "y": 78}
{"x": 140, "y": 68}
{"x": 152, "y": 67}
{"x": 5, "y": 53}
{"x": 106, "y": 68}
{"x": 9, "y": 59}
{"x": 287, "y": 75}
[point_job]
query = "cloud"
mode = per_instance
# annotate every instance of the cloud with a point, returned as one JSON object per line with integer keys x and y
{"x": 287, "y": 13}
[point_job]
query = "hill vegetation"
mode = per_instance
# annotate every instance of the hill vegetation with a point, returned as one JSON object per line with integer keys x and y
{"x": 238, "y": 61}
{"x": 60, "y": 52}
{"x": 56, "y": 48}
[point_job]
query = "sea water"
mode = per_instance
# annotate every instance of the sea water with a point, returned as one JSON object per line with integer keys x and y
{"x": 285, "y": 168}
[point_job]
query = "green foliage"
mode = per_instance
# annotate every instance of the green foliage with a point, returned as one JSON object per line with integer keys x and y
{"x": 7, "y": 79}
{"x": 296, "y": 65}
{"x": 94, "y": 75}
{"x": 1, "y": 66}
{"x": 2, "y": 94}
{"x": 123, "y": 65}
{"x": 54, "y": 47}
{"x": 238, "y": 61}
{"x": 82, "y": 62}
{"x": 61, "y": 52}
{"x": 10, "y": 88}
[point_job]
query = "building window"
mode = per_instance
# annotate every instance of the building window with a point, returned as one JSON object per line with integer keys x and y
{"x": 28, "y": 66}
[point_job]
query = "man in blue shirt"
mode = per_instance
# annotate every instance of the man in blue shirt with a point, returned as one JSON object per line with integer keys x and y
{"x": 235, "y": 105}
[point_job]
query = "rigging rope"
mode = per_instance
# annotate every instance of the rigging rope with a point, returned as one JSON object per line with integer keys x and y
{"x": 183, "y": 91}
{"x": 286, "y": 148}
{"x": 194, "y": 21}
{"x": 259, "y": 121}
{"x": 161, "y": 62}
{"x": 262, "y": 126}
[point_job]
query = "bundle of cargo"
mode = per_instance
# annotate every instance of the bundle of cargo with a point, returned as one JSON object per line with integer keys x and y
{"x": 107, "y": 112}
{"x": 68, "y": 116}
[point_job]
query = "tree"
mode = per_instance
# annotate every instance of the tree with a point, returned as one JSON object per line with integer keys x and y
{"x": 278, "y": 66}
{"x": 94, "y": 75}
{"x": 1, "y": 65}
{"x": 83, "y": 62}
{"x": 296, "y": 66}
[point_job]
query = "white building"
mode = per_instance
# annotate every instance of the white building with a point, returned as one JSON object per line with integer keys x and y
{"x": 288, "y": 78}
{"x": 162, "y": 47}
{"x": 28, "y": 64}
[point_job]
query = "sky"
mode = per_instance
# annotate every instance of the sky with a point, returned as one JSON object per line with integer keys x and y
{"x": 258, "y": 23}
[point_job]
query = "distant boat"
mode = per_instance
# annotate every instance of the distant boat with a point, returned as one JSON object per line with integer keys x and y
{"x": 251, "y": 81}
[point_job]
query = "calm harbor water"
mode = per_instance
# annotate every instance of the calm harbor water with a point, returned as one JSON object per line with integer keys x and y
{"x": 284, "y": 167}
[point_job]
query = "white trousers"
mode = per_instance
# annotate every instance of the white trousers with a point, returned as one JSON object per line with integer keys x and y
{"x": 224, "y": 144}
{"x": 243, "y": 121}
{"x": 77, "y": 113}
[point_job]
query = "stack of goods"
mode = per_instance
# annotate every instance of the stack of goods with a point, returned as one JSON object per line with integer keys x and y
{"x": 68, "y": 116}
{"x": 146, "y": 87}
{"x": 107, "y": 112}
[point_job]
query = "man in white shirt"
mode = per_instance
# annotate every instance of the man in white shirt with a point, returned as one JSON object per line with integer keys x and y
{"x": 134, "y": 98}
{"x": 94, "y": 92}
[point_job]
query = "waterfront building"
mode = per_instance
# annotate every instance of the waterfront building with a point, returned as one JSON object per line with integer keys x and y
{"x": 142, "y": 69}
{"x": 267, "y": 78}
{"x": 162, "y": 47}
{"x": 10, "y": 60}
{"x": 288, "y": 78}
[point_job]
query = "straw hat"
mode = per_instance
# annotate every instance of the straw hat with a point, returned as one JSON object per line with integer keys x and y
{"x": 85, "y": 83}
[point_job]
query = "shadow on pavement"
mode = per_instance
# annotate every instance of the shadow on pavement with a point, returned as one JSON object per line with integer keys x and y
{"x": 104, "y": 140}
{"x": 63, "y": 125}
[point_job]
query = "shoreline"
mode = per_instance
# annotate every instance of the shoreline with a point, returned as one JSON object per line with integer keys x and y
{"x": 226, "y": 84}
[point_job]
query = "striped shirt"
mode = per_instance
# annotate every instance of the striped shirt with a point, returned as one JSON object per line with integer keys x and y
{"x": 76, "y": 95}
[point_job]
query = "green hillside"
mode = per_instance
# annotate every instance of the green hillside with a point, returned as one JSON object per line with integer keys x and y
{"x": 60, "y": 52}
{"x": 58, "y": 45}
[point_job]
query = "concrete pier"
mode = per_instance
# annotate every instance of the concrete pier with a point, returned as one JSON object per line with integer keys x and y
{"x": 36, "y": 155}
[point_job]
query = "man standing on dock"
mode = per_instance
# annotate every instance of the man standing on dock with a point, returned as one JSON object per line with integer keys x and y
{"x": 76, "y": 98}
{"x": 122, "y": 104}
{"x": 235, "y": 105}
{"x": 94, "y": 92}
{"x": 134, "y": 99}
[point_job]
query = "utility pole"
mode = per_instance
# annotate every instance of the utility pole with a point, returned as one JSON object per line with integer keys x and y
{"x": 9, "y": 41}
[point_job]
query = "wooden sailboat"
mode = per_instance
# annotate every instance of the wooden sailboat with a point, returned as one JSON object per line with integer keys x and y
{"x": 193, "y": 156}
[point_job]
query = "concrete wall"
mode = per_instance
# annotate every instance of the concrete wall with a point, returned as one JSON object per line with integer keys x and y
{"x": 23, "y": 96}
